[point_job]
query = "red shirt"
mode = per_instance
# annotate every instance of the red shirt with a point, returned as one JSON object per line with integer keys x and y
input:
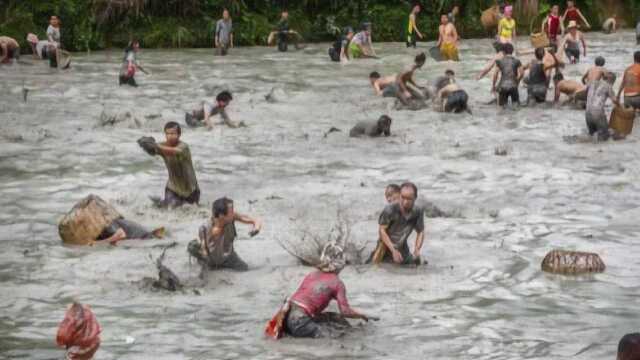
{"x": 317, "y": 290}
{"x": 553, "y": 27}
{"x": 572, "y": 15}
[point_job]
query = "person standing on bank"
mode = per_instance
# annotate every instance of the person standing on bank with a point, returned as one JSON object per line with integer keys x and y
{"x": 224, "y": 33}
{"x": 412, "y": 27}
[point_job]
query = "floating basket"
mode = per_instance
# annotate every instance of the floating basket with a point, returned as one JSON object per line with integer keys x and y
{"x": 572, "y": 262}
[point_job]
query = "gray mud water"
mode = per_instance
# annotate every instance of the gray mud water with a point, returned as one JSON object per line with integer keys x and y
{"x": 482, "y": 296}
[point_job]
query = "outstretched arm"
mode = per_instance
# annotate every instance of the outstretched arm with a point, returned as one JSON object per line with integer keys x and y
{"x": 346, "y": 310}
{"x": 168, "y": 150}
{"x": 583, "y": 19}
{"x": 486, "y": 69}
{"x": 257, "y": 223}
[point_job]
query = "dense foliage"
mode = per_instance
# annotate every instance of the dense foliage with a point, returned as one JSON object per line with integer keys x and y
{"x": 96, "y": 24}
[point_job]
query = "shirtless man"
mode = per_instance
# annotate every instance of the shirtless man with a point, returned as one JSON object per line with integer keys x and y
{"x": 570, "y": 43}
{"x": 202, "y": 116}
{"x": 595, "y": 73}
{"x": 596, "y": 116}
{"x": 9, "y": 49}
{"x": 631, "y": 84}
{"x": 407, "y": 85}
{"x": 448, "y": 39}
{"x": 573, "y": 89}
{"x": 384, "y": 86}
{"x": 450, "y": 96}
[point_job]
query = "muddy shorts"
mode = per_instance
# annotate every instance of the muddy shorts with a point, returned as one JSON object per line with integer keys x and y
{"x": 505, "y": 94}
{"x": 391, "y": 90}
{"x": 537, "y": 92}
{"x": 232, "y": 261}
{"x": 573, "y": 52}
{"x": 632, "y": 101}
{"x": 172, "y": 200}
{"x": 326, "y": 325}
{"x": 132, "y": 230}
{"x": 597, "y": 123}
{"x": 195, "y": 119}
{"x": 456, "y": 102}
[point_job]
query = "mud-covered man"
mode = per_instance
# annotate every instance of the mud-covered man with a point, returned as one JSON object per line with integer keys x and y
{"x": 215, "y": 247}
{"x": 395, "y": 225}
{"x": 182, "y": 186}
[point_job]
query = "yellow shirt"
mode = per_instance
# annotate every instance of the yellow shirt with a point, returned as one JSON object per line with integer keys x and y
{"x": 507, "y": 26}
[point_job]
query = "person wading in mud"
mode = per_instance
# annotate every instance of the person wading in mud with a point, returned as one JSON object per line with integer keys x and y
{"x": 215, "y": 248}
{"x": 202, "y": 116}
{"x": 224, "y": 33}
{"x": 182, "y": 186}
{"x": 631, "y": 84}
{"x": 396, "y": 223}
{"x": 302, "y": 314}
{"x": 130, "y": 64}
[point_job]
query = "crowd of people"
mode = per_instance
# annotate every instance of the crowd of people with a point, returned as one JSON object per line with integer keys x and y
{"x": 302, "y": 314}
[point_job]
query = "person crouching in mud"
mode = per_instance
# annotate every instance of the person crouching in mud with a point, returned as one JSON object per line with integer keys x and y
{"x": 130, "y": 64}
{"x": 215, "y": 245}
{"x": 339, "y": 52}
{"x": 302, "y": 314}
{"x": 202, "y": 116}
{"x": 396, "y": 223}
{"x": 9, "y": 49}
{"x": 372, "y": 128}
{"x": 408, "y": 89}
{"x": 182, "y": 186}
{"x": 450, "y": 96}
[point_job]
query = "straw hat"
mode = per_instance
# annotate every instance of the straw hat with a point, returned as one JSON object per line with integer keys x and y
{"x": 572, "y": 24}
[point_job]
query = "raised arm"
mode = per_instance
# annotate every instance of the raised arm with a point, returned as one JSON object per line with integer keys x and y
{"x": 583, "y": 19}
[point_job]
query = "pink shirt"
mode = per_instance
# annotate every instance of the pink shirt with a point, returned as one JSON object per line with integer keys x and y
{"x": 318, "y": 289}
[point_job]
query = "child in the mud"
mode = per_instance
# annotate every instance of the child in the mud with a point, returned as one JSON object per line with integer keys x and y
{"x": 339, "y": 52}
{"x": 130, "y": 64}
{"x": 216, "y": 239}
{"x": 202, "y": 116}
{"x": 303, "y": 315}
{"x": 122, "y": 229}
{"x": 392, "y": 193}
{"x": 182, "y": 186}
